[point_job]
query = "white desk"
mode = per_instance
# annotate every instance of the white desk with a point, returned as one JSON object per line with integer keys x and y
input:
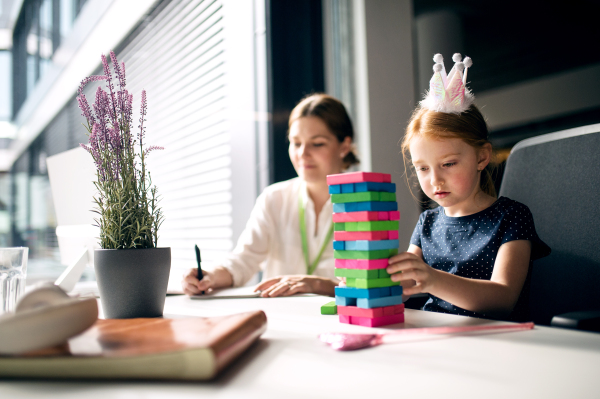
{"x": 290, "y": 362}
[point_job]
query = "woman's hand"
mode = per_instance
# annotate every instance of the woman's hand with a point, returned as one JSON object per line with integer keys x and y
{"x": 218, "y": 278}
{"x": 410, "y": 269}
{"x": 290, "y": 285}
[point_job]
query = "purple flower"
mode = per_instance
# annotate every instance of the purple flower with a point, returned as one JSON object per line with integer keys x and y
{"x": 93, "y": 78}
{"x": 119, "y": 70}
{"x": 86, "y": 112}
{"x": 152, "y": 148}
{"x": 143, "y": 110}
{"x": 111, "y": 141}
{"x": 111, "y": 90}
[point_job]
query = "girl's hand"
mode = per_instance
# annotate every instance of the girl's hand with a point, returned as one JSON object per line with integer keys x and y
{"x": 410, "y": 269}
{"x": 218, "y": 278}
{"x": 290, "y": 285}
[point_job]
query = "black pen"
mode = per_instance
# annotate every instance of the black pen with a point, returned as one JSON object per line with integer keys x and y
{"x": 198, "y": 260}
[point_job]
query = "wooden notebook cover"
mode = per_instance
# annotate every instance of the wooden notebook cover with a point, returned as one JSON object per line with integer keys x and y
{"x": 181, "y": 349}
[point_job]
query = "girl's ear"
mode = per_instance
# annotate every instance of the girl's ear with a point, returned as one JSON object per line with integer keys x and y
{"x": 484, "y": 156}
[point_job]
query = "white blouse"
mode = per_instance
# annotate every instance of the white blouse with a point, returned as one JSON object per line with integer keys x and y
{"x": 271, "y": 240}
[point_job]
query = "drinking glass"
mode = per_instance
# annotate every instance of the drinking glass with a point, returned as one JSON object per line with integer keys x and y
{"x": 13, "y": 270}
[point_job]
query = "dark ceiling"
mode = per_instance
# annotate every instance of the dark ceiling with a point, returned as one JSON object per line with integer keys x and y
{"x": 513, "y": 41}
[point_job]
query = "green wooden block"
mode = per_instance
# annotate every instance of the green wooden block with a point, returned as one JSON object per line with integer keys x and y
{"x": 383, "y": 196}
{"x": 372, "y": 226}
{"x": 357, "y": 273}
{"x": 339, "y": 226}
{"x": 329, "y": 308}
{"x": 356, "y": 197}
{"x": 379, "y": 254}
{"x": 371, "y": 283}
{"x": 351, "y": 226}
{"x": 383, "y": 273}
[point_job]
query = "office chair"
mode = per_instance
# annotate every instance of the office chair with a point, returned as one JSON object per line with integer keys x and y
{"x": 557, "y": 176}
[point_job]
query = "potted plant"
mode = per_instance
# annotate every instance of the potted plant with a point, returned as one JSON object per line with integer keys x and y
{"x": 132, "y": 272}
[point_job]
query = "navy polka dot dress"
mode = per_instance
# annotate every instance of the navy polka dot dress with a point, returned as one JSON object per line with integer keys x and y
{"x": 467, "y": 246}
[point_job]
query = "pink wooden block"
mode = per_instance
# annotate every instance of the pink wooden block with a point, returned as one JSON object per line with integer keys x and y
{"x": 394, "y": 215}
{"x": 370, "y": 313}
{"x": 383, "y": 215}
{"x": 345, "y": 319}
{"x": 392, "y": 235}
{"x": 391, "y": 310}
{"x": 363, "y": 235}
{"x": 364, "y": 264}
{"x": 357, "y": 177}
{"x": 377, "y": 321}
{"x": 363, "y": 216}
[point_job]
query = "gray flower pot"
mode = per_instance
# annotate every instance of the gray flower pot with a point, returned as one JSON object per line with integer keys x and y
{"x": 132, "y": 282}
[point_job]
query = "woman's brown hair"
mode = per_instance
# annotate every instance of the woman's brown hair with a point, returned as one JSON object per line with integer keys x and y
{"x": 469, "y": 126}
{"x": 333, "y": 113}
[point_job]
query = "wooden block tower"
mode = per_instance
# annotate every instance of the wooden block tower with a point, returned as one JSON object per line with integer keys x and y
{"x": 365, "y": 220}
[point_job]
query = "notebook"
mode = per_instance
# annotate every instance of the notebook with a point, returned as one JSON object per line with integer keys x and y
{"x": 156, "y": 349}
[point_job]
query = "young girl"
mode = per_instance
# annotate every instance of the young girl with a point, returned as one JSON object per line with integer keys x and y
{"x": 473, "y": 253}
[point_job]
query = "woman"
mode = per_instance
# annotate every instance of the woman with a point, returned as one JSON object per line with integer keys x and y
{"x": 291, "y": 220}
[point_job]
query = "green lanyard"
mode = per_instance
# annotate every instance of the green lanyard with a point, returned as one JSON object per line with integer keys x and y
{"x": 310, "y": 268}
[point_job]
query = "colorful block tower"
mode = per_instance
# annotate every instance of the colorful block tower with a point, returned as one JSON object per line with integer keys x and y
{"x": 365, "y": 221}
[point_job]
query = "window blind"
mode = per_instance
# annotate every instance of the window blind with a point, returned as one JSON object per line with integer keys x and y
{"x": 177, "y": 56}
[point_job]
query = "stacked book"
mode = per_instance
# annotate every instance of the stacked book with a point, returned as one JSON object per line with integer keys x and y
{"x": 365, "y": 220}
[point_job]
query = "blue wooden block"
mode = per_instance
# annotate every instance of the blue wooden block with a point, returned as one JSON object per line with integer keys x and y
{"x": 372, "y": 186}
{"x": 345, "y": 301}
{"x": 347, "y": 188}
{"x": 396, "y": 290}
{"x": 335, "y": 189}
{"x": 378, "y": 206}
{"x": 369, "y": 303}
{"x": 339, "y": 245}
{"x": 350, "y": 292}
{"x": 364, "y": 245}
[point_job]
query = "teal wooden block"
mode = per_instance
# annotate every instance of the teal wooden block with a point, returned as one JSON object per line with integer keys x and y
{"x": 351, "y": 292}
{"x": 376, "y": 206}
{"x": 347, "y": 188}
{"x": 372, "y": 186}
{"x": 339, "y": 245}
{"x": 370, "y": 303}
{"x": 367, "y": 245}
{"x": 344, "y": 301}
{"x": 335, "y": 189}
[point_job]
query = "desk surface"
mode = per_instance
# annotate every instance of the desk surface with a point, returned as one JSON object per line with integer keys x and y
{"x": 290, "y": 362}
